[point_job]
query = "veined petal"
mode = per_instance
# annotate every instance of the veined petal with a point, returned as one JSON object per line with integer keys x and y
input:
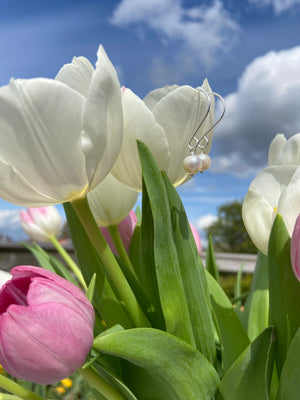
{"x": 16, "y": 190}
{"x": 139, "y": 123}
{"x": 275, "y": 150}
{"x": 77, "y": 75}
{"x": 40, "y": 138}
{"x": 179, "y": 113}
{"x": 102, "y": 120}
{"x": 155, "y": 95}
{"x": 111, "y": 201}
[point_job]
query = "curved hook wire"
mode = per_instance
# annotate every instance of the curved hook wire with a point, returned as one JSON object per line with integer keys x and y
{"x": 193, "y": 148}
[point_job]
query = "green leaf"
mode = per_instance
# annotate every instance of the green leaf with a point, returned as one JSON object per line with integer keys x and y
{"x": 105, "y": 301}
{"x": 145, "y": 267}
{"x": 179, "y": 371}
{"x": 284, "y": 291}
{"x": 257, "y": 304}
{"x": 91, "y": 288}
{"x": 193, "y": 276}
{"x": 50, "y": 262}
{"x": 250, "y": 376}
{"x": 233, "y": 336}
{"x": 211, "y": 264}
{"x": 170, "y": 285}
{"x": 289, "y": 385}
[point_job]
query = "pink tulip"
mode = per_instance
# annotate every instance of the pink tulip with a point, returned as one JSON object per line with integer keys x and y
{"x": 126, "y": 229}
{"x": 295, "y": 249}
{"x": 196, "y": 238}
{"x": 46, "y": 326}
{"x": 41, "y": 222}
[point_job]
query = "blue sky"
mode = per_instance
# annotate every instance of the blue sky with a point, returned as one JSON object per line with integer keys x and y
{"x": 249, "y": 51}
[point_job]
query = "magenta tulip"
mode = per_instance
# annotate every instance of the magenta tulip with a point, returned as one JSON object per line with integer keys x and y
{"x": 126, "y": 229}
{"x": 295, "y": 249}
{"x": 46, "y": 326}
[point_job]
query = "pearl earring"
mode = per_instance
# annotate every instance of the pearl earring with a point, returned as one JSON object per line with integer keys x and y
{"x": 200, "y": 162}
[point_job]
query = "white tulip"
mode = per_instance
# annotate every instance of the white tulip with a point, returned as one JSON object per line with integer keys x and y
{"x": 276, "y": 189}
{"x": 165, "y": 121}
{"x": 55, "y": 143}
{"x": 111, "y": 201}
{"x": 41, "y": 223}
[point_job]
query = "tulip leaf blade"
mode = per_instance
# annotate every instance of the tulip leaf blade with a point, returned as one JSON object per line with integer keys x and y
{"x": 170, "y": 285}
{"x": 178, "y": 370}
{"x": 284, "y": 290}
{"x": 49, "y": 262}
{"x": 234, "y": 339}
{"x": 193, "y": 275}
{"x": 105, "y": 300}
{"x": 250, "y": 376}
{"x": 289, "y": 384}
{"x": 257, "y": 304}
{"x": 211, "y": 264}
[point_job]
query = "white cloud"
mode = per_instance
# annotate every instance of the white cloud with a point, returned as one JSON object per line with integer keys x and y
{"x": 266, "y": 102}
{"x": 10, "y": 224}
{"x": 205, "y": 221}
{"x": 278, "y": 5}
{"x": 203, "y": 33}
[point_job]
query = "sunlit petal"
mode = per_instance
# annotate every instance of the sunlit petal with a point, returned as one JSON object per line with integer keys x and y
{"x": 139, "y": 123}
{"x": 275, "y": 150}
{"x": 111, "y": 201}
{"x": 40, "y": 123}
{"x": 77, "y": 75}
{"x": 102, "y": 120}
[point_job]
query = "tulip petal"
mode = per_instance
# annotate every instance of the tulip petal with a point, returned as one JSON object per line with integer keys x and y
{"x": 289, "y": 204}
{"x": 77, "y": 75}
{"x": 102, "y": 120}
{"x": 291, "y": 150}
{"x": 275, "y": 150}
{"x": 39, "y": 347}
{"x": 179, "y": 113}
{"x": 111, "y": 201}
{"x": 40, "y": 137}
{"x": 262, "y": 203}
{"x": 16, "y": 190}
{"x": 155, "y": 95}
{"x": 139, "y": 124}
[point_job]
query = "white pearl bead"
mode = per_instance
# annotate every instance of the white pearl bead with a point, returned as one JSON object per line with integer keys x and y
{"x": 192, "y": 164}
{"x": 205, "y": 161}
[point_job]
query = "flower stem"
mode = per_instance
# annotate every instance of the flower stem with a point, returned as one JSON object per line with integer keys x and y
{"x": 68, "y": 259}
{"x": 110, "y": 264}
{"x": 18, "y": 390}
{"x": 114, "y": 232}
{"x": 95, "y": 380}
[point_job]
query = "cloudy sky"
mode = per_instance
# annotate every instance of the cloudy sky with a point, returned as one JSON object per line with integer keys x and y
{"x": 249, "y": 51}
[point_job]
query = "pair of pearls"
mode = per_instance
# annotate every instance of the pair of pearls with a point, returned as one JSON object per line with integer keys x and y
{"x": 196, "y": 163}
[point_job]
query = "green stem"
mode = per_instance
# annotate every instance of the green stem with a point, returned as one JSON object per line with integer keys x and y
{"x": 100, "y": 384}
{"x": 68, "y": 259}
{"x": 110, "y": 264}
{"x": 18, "y": 390}
{"x": 115, "y": 234}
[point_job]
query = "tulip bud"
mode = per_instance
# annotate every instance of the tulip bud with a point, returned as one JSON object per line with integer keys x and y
{"x": 46, "y": 326}
{"x": 42, "y": 222}
{"x": 295, "y": 249}
{"x": 125, "y": 228}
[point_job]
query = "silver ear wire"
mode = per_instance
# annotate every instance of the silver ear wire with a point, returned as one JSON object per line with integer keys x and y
{"x": 194, "y": 162}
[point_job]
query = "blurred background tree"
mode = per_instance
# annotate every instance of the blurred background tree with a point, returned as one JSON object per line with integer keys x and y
{"x": 228, "y": 232}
